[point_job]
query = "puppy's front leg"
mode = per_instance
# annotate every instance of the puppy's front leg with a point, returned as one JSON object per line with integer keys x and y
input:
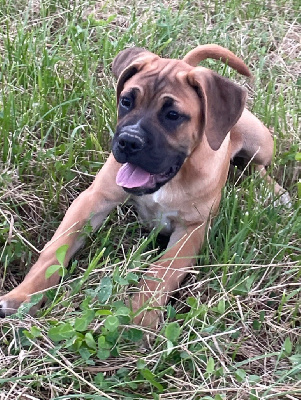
{"x": 165, "y": 276}
{"x": 93, "y": 205}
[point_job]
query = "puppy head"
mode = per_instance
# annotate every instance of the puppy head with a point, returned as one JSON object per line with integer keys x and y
{"x": 164, "y": 108}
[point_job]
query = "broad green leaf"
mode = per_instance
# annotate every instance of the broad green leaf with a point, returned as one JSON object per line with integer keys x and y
{"x": 253, "y": 395}
{"x": 118, "y": 304}
{"x": 103, "y": 354}
{"x": 75, "y": 341}
{"x": 103, "y": 312}
{"x": 169, "y": 346}
{"x": 298, "y": 156}
{"x": 256, "y": 325}
{"x": 84, "y": 353}
{"x": 261, "y": 316}
{"x": 125, "y": 311}
{"x": 221, "y": 307}
{"x": 288, "y": 346}
{"x": 61, "y": 253}
{"x": 66, "y": 330}
{"x": 141, "y": 364}
{"x": 36, "y": 332}
{"x": 111, "y": 323}
{"x": 53, "y": 269}
{"x": 240, "y": 375}
{"x": 77, "y": 344}
{"x": 133, "y": 334}
{"x": 90, "y": 340}
{"x": 61, "y": 332}
{"x": 102, "y": 343}
{"x": 171, "y": 312}
{"x": 172, "y": 331}
{"x": 119, "y": 279}
{"x": 184, "y": 355}
{"x": 210, "y": 365}
{"x": 131, "y": 277}
{"x": 82, "y": 323}
{"x": 150, "y": 377}
{"x": 105, "y": 289}
{"x": 192, "y": 302}
{"x": 99, "y": 379}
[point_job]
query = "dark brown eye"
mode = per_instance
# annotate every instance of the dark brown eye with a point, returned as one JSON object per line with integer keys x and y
{"x": 126, "y": 102}
{"x": 172, "y": 115}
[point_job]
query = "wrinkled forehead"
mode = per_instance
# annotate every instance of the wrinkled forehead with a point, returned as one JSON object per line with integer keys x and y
{"x": 162, "y": 77}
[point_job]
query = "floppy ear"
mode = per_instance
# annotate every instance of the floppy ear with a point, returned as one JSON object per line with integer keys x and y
{"x": 125, "y": 58}
{"x": 223, "y": 103}
{"x": 128, "y": 62}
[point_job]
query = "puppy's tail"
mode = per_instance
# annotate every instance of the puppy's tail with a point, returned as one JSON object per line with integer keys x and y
{"x": 200, "y": 53}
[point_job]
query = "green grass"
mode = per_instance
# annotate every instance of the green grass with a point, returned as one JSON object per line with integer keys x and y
{"x": 232, "y": 330}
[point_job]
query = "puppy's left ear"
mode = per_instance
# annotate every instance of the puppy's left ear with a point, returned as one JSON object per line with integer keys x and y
{"x": 222, "y": 103}
{"x": 128, "y": 62}
{"x": 125, "y": 58}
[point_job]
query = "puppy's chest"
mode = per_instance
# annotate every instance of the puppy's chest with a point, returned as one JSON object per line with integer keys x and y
{"x": 155, "y": 211}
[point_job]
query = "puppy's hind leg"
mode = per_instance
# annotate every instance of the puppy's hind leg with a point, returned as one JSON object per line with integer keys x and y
{"x": 282, "y": 196}
{"x": 253, "y": 143}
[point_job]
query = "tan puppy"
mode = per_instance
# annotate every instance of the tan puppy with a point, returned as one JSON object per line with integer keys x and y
{"x": 178, "y": 128}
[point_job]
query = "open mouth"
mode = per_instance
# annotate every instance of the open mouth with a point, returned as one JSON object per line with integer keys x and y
{"x": 138, "y": 181}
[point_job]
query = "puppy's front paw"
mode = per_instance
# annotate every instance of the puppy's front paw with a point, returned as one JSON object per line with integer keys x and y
{"x": 10, "y": 303}
{"x": 148, "y": 313}
{"x": 285, "y": 199}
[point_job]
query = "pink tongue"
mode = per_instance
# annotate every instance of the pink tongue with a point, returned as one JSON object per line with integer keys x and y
{"x": 130, "y": 176}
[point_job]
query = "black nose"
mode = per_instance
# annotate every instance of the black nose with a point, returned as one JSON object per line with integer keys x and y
{"x": 129, "y": 143}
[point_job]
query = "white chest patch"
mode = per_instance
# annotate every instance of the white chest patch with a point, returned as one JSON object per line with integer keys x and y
{"x": 153, "y": 211}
